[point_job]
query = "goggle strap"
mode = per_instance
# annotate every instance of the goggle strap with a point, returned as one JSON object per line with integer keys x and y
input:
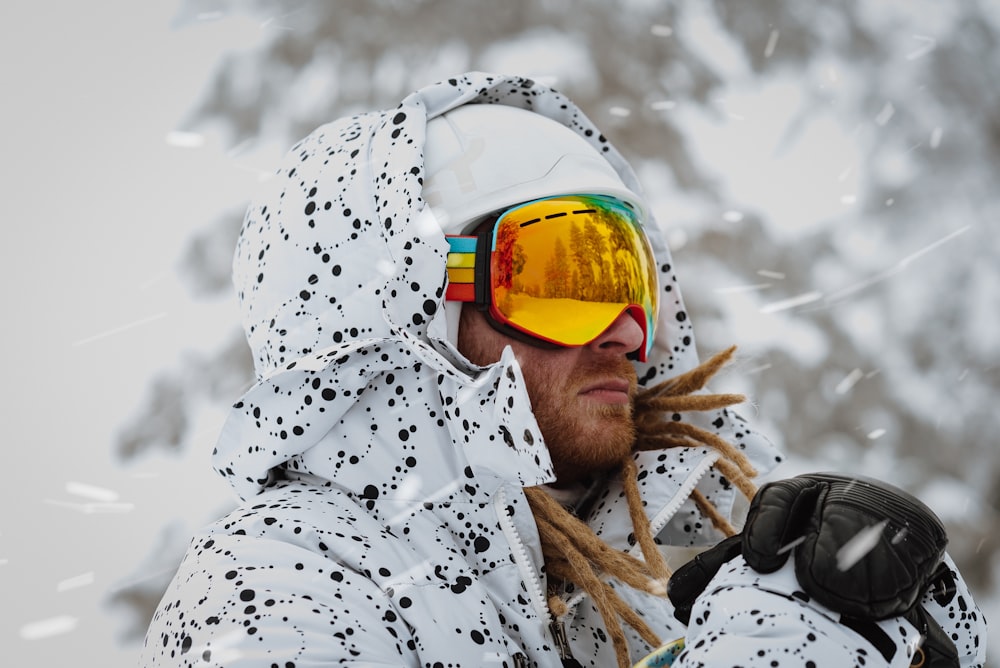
{"x": 460, "y": 292}
{"x": 484, "y": 249}
{"x": 462, "y": 244}
{"x": 462, "y": 257}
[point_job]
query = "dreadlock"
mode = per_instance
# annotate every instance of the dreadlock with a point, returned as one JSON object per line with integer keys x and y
{"x": 572, "y": 551}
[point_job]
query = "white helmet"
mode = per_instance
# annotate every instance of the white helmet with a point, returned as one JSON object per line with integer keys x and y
{"x": 480, "y": 158}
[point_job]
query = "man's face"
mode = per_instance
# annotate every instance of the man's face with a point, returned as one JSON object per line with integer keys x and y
{"x": 581, "y": 397}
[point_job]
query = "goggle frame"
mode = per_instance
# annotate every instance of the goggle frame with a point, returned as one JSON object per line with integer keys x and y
{"x": 477, "y": 249}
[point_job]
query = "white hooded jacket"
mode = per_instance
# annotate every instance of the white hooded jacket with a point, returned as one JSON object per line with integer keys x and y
{"x": 384, "y": 521}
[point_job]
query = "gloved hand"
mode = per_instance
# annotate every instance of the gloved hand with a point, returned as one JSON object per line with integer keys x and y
{"x": 688, "y": 581}
{"x": 862, "y": 548}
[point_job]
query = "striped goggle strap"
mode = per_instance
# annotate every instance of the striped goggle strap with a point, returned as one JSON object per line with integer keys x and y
{"x": 461, "y": 269}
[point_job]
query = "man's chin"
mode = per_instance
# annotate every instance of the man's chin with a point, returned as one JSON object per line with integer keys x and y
{"x": 592, "y": 449}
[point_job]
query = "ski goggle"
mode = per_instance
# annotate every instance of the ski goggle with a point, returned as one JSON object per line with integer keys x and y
{"x": 559, "y": 269}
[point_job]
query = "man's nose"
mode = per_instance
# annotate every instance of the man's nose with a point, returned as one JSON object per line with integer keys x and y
{"x": 625, "y": 335}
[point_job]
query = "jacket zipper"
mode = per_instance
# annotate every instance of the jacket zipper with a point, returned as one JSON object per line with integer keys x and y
{"x": 556, "y": 627}
{"x": 520, "y": 553}
{"x": 665, "y": 515}
{"x": 558, "y": 630}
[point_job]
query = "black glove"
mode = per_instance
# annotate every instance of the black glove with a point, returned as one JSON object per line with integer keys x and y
{"x": 861, "y": 547}
{"x": 688, "y": 581}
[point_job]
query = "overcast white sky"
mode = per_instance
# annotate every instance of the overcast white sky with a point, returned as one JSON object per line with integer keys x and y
{"x": 96, "y": 208}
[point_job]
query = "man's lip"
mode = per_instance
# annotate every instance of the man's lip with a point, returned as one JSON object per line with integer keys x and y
{"x": 609, "y": 385}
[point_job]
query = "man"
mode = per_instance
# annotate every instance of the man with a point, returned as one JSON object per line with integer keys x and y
{"x": 447, "y": 459}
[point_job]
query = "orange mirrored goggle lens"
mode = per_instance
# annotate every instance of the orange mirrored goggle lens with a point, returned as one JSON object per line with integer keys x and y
{"x": 563, "y": 269}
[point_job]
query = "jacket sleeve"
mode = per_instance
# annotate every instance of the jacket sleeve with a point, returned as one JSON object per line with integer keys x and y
{"x": 750, "y": 619}
{"x": 244, "y": 602}
{"x": 953, "y": 607}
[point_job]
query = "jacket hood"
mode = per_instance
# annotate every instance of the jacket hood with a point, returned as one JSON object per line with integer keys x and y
{"x": 340, "y": 273}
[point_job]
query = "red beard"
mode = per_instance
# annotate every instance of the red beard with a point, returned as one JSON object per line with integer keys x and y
{"x": 583, "y": 437}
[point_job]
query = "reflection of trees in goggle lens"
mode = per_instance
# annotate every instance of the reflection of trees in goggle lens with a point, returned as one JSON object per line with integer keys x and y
{"x": 603, "y": 262}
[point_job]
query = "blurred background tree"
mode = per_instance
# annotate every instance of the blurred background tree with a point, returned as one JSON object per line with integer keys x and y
{"x": 826, "y": 174}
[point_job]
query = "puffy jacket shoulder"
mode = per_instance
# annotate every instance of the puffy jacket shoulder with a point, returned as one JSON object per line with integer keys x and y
{"x": 258, "y": 588}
